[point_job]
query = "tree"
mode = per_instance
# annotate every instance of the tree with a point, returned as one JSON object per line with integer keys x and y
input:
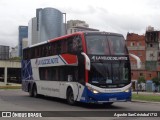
{"x": 141, "y": 79}
{"x": 156, "y": 82}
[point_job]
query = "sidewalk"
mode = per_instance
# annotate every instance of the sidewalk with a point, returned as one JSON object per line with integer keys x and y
{"x": 146, "y": 93}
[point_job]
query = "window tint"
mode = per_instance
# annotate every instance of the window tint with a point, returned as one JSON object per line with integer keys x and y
{"x": 105, "y": 45}
{"x": 48, "y": 73}
{"x": 117, "y": 45}
{"x": 64, "y": 73}
{"x": 71, "y": 45}
{"x": 97, "y": 44}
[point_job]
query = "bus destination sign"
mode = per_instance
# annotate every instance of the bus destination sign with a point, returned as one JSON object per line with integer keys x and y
{"x": 107, "y": 58}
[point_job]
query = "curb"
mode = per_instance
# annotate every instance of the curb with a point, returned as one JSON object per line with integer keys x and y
{"x": 141, "y": 101}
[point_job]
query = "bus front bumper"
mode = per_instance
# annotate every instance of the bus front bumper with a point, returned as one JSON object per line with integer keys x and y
{"x": 90, "y": 97}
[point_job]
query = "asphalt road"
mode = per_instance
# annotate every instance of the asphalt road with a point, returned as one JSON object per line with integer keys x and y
{"x": 17, "y": 100}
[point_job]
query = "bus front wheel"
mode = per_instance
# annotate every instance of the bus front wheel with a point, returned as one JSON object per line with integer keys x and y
{"x": 35, "y": 94}
{"x": 70, "y": 97}
{"x": 30, "y": 91}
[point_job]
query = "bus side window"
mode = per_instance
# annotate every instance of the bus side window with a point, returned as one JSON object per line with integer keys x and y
{"x": 40, "y": 53}
{"x": 49, "y": 50}
{"x": 64, "y": 46}
{"x": 62, "y": 75}
{"x": 46, "y": 50}
{"x": 53, "y": 49}
{"x": 59, "y": 47}
{"x": 36, "y": 52}
{"x": 38, "y": 49}
{"x": 77, "y": 44}
{"x": 70, "y": 44}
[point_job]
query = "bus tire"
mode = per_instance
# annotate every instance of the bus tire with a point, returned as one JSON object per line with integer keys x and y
{"x": 35, "y": 94}
{"x": 30, "y": 90}
{"x": 70, "y": 96}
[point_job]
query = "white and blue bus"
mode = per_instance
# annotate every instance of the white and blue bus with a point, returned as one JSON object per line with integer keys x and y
{"x": 89, "y": 67}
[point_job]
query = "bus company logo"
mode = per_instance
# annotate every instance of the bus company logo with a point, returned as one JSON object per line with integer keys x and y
{"x": 97, "y": 58}
{"x": 47, "y": 61}
{"x": 93, "y": 58}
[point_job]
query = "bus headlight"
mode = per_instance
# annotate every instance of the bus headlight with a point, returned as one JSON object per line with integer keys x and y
{"x": 93, "y": 90}
{"x": 127, "y": 90}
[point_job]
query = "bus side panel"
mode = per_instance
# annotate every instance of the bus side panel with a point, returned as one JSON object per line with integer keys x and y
{"x": 48, "y": 88}
{"x": 27, "y": 74}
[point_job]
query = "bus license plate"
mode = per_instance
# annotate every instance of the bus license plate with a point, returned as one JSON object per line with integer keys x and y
{"x": 112, "y": 99}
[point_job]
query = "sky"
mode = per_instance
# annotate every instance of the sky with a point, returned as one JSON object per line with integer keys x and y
{"x": 120, "y": 16}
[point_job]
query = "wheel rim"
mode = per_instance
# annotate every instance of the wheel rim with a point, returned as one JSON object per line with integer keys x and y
{"x": 35, "y": 92}
{"x": 30, "y": 92}
{"x": 70, "y": 97}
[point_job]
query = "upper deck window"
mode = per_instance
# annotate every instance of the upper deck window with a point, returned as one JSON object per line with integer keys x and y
{"x": 105, "y": 45}
{"x": 117, "y": 45}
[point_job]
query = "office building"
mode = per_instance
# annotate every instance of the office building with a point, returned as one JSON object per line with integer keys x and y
{"x": 32, "y": 31}
{"x": 4, "y": 52}
{"x": 23, "y": 33}
{"x": 77, "y": 26}
{"x": 49, "y": 23}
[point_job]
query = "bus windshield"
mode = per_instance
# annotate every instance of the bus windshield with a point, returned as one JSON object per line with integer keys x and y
{"x": 110, "y": 74}
{"x": 105, "y": 45}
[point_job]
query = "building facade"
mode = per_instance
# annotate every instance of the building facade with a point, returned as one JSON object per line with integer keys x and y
{"x": 4, "y": 52}
{"x": 74, "y": 23}
{"x": 146, "y": 47}
{"x": 23, "y": 33}
{"x": 32, "y": 31}
{"x": 77, "y": 26}
{"x": 49, "y": 24}
{"x": 136, "y": 45}
{"x": 14, "y": 52}
{"x": 153, "y": 51}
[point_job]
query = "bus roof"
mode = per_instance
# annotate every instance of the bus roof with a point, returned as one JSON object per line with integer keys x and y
{"x": 77, "y": 33}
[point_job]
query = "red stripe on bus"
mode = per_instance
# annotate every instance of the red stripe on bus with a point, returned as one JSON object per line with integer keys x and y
{"x": 86, "y": 71}
{"x": 83, "y": 43}
{"x": 70, "y": 59}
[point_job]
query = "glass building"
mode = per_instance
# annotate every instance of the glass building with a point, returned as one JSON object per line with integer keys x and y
{"x": 49, "y": 24}
{"x": 4, "y": 52}
{"x": 23, "y": 33}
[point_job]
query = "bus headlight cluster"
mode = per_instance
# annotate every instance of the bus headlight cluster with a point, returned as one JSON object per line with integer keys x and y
{"x": 93, "y": 90}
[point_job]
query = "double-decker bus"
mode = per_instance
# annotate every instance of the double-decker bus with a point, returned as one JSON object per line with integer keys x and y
{"x": 89, "y": 67}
